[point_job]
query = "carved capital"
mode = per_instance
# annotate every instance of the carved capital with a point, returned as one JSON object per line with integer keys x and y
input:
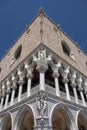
{"x": 3, "y": 90}
{"x": 42, "y": 60}
{"x": 72, "y": 82}
{"x": 8, "y": 86}
{"x": 29, "y": 73}
{"x": 42, "y": 65}
{"x": 14, "y": 82}
{"x": 21, "y": 77}
{"x": 21, "y": 82}
{"x": 55, "y": 72}
{"x": 65, "y": 80}
{"x": 80, "y": 88}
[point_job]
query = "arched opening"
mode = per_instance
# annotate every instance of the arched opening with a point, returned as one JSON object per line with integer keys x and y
{"x": 70, "y": 89}
{"x": 49, "y": 79}
{"x": 61, "y": 119}
{"x": 82, "y": 121}
{"x": 24, "y": 90}
{"x": 25, "y": 119}
{"x": 6, "y": 122}
{"x": 35, "y": 78}
{"x": 61, "y": 84}
{"x": 78, "y": 93}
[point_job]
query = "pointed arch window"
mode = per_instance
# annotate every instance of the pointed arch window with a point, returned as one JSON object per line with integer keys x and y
{"x": 18, "y": 52}
{"x": 67, "y": 50}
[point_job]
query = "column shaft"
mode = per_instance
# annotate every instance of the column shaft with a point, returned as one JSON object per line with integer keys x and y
{"x": 12, "y": 97}
{"x": 67, "y": 91}
{"x": 6, "y": 101}
{"x": 2, "y": 101}
{"x": 42, "y": 80}
{"x": 75, "y": 94}
{"x": 57, "y": 86}
{"x": 29, "y": 87}
{"x": 82, "y": 97}
{"x": 20, "y": 92}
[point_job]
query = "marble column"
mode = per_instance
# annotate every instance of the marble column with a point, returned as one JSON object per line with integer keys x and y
{"x": 65, "y": 81}
{"x": 14, "y": 87}
{"x": 29, "y": 76}
{"x": 7, "y": 98}
{"x": 42, "y": 67}
{"x": 56, "y": 75}
{"x": 42, "y": 80}
{"x": 3, "y": 94}
{"x": 8, "y": 90}
{"x": 81, "y": 93}
{"x": 85, "y": 89}
{"x": 74, "y": 91}
{"x": 21, "y": 83}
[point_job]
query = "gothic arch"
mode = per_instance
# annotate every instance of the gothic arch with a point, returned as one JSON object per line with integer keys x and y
{"x": 81, "y": 120}
{"x": 25, "y": 118}
{"x": 6, "y": 123}
{"x": 60, "y": 113}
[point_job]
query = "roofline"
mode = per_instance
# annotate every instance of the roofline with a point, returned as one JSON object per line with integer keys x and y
{"x": 41, "y": 10}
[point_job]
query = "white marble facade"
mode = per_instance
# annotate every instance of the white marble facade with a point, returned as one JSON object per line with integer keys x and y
{"x": 43, "y": 94}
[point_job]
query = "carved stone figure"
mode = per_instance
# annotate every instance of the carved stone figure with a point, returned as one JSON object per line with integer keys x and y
{"x": 42, "y": 105}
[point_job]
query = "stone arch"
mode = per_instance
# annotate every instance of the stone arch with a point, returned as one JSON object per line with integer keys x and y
{"x": 6, "y": 122}
{"x": 25, "y": 118}
{"x": 62, "y": 118}
{"x": 82, "y": 120}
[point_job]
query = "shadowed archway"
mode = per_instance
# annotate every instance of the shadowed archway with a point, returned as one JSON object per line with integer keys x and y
{"x": 62, "y": 119}
{"x": 6, "y": 123}
{"x": 82, "y": 120}
{"x": 25, "y": 118}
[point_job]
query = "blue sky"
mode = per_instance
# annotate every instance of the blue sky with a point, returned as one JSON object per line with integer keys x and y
{"x": 15, "y": 14}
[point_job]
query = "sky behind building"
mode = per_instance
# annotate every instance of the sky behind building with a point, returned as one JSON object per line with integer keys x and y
{"x": 16, "y": 14}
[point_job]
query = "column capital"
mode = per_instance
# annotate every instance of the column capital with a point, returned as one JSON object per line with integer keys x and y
{"x": 21, "y": 75}
{"x": 55, "y": 72}
{"x": 8, "y": 86}
{"x": 29, "y": 73}
{"x": 55, "y": 75}
{"x": 14, "y": 82}
{"x": 42, "y": 65}
{"x": 80, "y": 88}
{"x": 65, "y": 80}
{"x": 79, "y": 84}
{"x": 3, "y": 90}
{"x": 64, "y": 76}
{"x": 42, "y": 59}
{"x": 72, "y": 82}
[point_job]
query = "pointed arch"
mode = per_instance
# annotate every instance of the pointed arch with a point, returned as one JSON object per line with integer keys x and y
{"x": 61, "y": 113}
{"x": 82, "y": 120}
{"x": 25, "y": 118}
{"x": 6, "y": 122}
{"x": 66, "y": 48}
